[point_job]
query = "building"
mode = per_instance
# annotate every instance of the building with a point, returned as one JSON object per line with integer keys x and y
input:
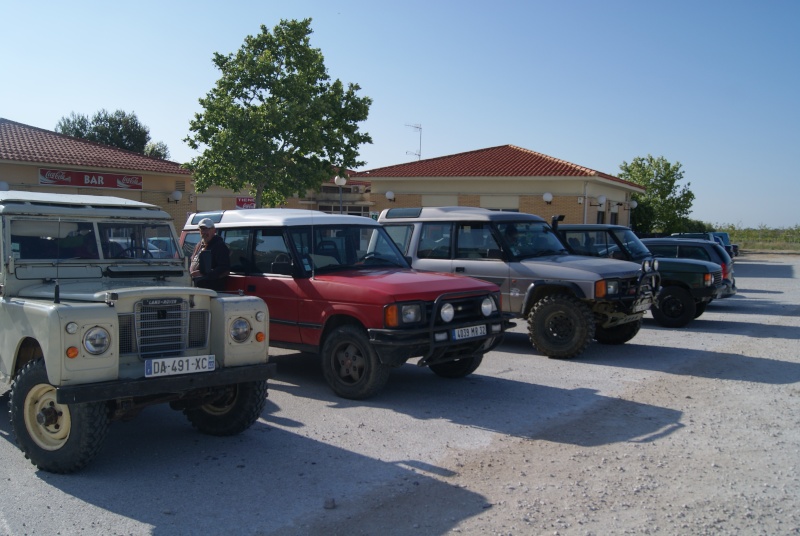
{"x": 505, "y": 178}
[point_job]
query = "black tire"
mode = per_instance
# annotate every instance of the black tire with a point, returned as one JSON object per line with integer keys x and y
{"x": 350, "y": 364}
{"x": 560, "y": 326}
{"x": 233, "y": 412}
{"x": 458, "y": 368}
{"x": 676, "y": 307}
{"x": 618, "y": 334}
{"x": 700, "y": 308}
{"x": 70, "y": 435}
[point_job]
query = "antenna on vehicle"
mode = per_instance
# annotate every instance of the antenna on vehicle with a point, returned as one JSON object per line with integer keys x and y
{"x": 418, "y": 154}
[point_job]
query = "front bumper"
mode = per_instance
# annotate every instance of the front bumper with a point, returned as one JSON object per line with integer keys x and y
{"x": 395, "y": 346}
{"x": 102, "y": 391}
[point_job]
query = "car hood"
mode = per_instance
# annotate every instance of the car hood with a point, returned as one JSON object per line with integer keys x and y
{"x": 94, "y": 291}
{"x": 402, "y": 285}
{"x": 581, "y": 268}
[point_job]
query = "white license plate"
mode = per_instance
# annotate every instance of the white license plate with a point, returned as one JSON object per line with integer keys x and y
{"x": 469, "y": 333}
{"x": 169, "y": 366}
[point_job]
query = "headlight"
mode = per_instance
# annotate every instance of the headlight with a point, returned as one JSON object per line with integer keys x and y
{"x": 240, "y": 330}
{"x": 487, "y": 306}
{"x": 411, "y": 314}
{"x": 96, "y": 340}
{"x": 71, "y": 328}
{"x": 655, "y": 265}
{"x": 447, "y": 313}
{"x": 612, "y": 287}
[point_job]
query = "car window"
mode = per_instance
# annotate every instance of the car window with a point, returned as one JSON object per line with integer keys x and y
{"x": 663, "y": 250}
{"x": 694, "y": 252}
{"x": 270, "y": 251}
{"x": 475, "y": 241}
{"x": 238, "y": 241}
{"x": 529, "y": 239}
{"x": 435, "y": 241}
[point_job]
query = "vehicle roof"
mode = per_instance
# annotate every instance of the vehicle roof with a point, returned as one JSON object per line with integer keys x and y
{"x": 676, "y": 240}
{"x": 276, "y": 217}
{"x": 592, "y": 226}
{"x": 453, "y": 213}
{"x": 23, "y": 202}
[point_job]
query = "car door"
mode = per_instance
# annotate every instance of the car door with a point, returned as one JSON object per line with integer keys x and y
{"x": 260, "y": 260}
{"x": 477, "y": 254}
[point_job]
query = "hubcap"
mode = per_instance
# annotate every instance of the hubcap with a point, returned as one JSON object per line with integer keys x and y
{"x": 47, "y": 421}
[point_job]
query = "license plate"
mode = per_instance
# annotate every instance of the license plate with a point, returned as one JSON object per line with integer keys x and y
{"x": 169, "y": 366}
{"x": 469, "y": 333}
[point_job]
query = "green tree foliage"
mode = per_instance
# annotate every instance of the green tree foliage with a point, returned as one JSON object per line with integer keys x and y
{"x": 157, "y": 149}
{"x": 666, "y": 205}
{"x": 119, "y": 129}
{"x": 275, "y": 124}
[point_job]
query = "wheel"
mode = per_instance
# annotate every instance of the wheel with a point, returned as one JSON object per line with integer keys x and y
{"x": 560, "y": 326}
{"x": 233, "y": 412}
{"x": 58, "y": 438}
{"x": 350, "y": 364}
{"x": 458, "y": 368}
{"x": 676, "y": 307}
{"x": 618, "y": 334}
{"x": 700, "y": 308}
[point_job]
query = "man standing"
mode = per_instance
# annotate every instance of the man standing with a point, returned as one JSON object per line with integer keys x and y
{"x": 211, "y": 260}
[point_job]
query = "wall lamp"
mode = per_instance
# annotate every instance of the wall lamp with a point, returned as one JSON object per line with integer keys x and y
{"x": 547, "y": 197}
{"x": 390, "y": 196}
{"x": 174, "y": 197}
{"x": 601, "y": 200}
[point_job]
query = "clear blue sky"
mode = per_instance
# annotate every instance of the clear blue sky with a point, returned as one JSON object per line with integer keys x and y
{"x": 714, "y": 85}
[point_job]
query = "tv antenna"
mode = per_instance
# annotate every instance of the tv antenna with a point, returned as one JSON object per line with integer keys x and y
{"x": 418, "y": 154}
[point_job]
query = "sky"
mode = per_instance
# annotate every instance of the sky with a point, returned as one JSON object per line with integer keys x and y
{"x": 712, "y": 85}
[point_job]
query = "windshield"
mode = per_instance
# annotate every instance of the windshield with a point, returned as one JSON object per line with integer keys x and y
{"x": 38, "y": 239}
{"x": 336, "y": 247}
{"x": 631, "y": 243}
{"x": 530, "y": 239}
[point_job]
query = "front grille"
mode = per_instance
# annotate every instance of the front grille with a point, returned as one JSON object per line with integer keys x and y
{"x": 717, "y": 277}
{"x": 162, "y": 327}
{"x": 628, "y": 287}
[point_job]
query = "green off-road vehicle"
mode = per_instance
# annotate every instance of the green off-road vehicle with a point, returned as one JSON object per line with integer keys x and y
{"x": 687, "y": 285}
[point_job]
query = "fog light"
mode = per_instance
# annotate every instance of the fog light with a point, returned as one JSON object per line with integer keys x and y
{"x": 448, "y": 312}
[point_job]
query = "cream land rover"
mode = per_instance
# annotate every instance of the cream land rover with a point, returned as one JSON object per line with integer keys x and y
{"x": 95, "y": 325}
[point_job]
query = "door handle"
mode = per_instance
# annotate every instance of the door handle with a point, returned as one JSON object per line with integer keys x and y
{"x": 460, "y": 269}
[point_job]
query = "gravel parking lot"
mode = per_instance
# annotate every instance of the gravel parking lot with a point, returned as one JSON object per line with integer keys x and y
{"x": 680, "y": 431}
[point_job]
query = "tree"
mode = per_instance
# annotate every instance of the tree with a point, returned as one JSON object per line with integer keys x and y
{"x": 666, "y": 205}
{"x": 157, "y": 149}
{"x": 119, "y": 129}
{"x": 275, "y": 124}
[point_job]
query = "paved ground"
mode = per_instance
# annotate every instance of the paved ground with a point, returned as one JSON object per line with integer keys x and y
{"x": 690, "y": 431}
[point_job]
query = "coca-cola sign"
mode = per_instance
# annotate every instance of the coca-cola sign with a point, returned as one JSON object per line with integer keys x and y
{"x": 89, "y": 179}
{"x": 245, "y": 202}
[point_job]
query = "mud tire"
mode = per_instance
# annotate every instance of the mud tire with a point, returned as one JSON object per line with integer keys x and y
{"x": 70, "y": 436}
{"x": 560, "y": 326}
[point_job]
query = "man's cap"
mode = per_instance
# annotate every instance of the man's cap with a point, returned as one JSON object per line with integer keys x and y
{"x": 207, "y": 223}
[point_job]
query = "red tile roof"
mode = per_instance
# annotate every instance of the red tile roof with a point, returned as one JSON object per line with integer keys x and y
{"x": 502, "y": 161}
{"x": 24, "y": 143}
